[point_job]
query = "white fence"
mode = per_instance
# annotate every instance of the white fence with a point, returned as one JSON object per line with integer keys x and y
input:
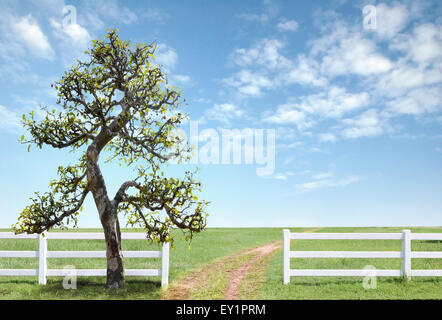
{"x": 406, "y": 254}
{"x": 43, "y": 254}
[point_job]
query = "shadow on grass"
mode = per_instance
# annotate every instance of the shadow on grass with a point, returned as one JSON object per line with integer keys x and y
{"x": 86, "y": 289}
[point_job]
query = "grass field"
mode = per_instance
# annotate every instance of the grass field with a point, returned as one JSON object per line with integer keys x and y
{"x": 265, "y": 282}
{"x": 206, "y": 247}
{"x": 351, "y": 287}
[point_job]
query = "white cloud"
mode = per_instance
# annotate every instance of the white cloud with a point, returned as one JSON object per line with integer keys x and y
{"x": 287, "y": 146}
{"x": 280, "y": 176}
{"x": 327, "y": 137}
{"x": 404, "y": 77}
{"x": 354, "y": 55}
{"x": 286, "y": 133}
{"x": 9, "y": 120}
{"x": 111, "y": 9}
{"x": 427, "y": 46}
{"x": 338, "y": 53}
{"x": 343, "y": 50}
{"x": 332, "y": 34}
{"x": 265, "y": 53}
{"x": 424, "y": 46}
{"x": 181, "y": 78}
{"x": 288, "y": 114}
{"x": 362, "y": 131}
{"x": 270, "y": 9}
{"x": 326, "y": 183}
{"x": 273, "y": 69}
{"x": 73, "y": 40}
{"x": 92, "y": 19}
{"x": 98, "y": 15}
{"x": 390, "y": 20}
{"x": 323, "y": 175}
{"x": 31, "y": 36}
{"x": 12, "y": 66}
{"x": 401, "y": 76}
{"x": 224, "y": 113}
{"x": 333, "y": 103}
{"x": 305, "y": 71}
{"x": 418, "y": 101}
{"x": 287, "y": 25}
{"x": 367, "y": 124}
{"x": 166, "y": 56}
{"x": 249, "y": 83}
{"x": 14, "y": 54}
{"x": 413, "y": 86}
{"x": 80, "y": 36}
{"x": 73, "y": 35}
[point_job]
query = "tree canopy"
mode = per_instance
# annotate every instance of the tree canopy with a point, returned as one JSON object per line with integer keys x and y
{"x": 119, "y": 102}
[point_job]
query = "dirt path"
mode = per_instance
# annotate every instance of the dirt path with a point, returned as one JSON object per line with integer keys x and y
{"x": 237, "y": 275}
{"x": 233, "y": 267}
{"x": 232, "y": 291}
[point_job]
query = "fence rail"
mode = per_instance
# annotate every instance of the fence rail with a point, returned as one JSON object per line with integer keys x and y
{"x": 43, "y": 254}
{"x": 405, "y": 254}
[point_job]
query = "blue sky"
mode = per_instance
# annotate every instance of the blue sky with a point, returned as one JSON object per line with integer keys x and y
{"x": 356, "y": 111}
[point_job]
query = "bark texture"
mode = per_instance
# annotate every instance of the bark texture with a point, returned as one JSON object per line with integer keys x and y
{"x": 108, "y": 213}
{"x": 114, "y": 254}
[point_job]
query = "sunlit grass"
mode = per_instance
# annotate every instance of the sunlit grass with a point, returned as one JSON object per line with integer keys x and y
{"x": 215, "y": 243}
{"x": 352, "y": 287}
{"x": 206, "y": 247}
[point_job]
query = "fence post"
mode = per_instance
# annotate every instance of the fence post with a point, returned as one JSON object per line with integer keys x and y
{"x": 42, "y": 261}
{"x": 286, "y": 257}
{"x": 406, "y": 254}
{"x": 165, "y": 264}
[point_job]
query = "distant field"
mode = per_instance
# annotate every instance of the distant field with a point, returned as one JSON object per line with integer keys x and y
{"x": 351, "y": 287}
{"x": 216, "y": 243}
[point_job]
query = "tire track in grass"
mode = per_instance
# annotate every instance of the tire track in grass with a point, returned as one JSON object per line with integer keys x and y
{"x": 223, "y": 278}
{"x": 233, "y": 292}
{"x": 209, "y": 281}
{"x": 238, "y": 275}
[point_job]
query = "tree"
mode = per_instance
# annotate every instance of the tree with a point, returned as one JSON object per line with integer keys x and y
{"x": 120, "y": 103}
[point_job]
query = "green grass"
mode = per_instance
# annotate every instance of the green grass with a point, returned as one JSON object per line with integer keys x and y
{"x": 351, "y": 287}
{"x": 217, "y": 279}
{"x": 215, "y": 243}
{"x": 206, "y": 247}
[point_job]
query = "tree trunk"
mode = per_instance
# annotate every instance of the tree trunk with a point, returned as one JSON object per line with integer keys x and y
{"x": 114, "y": 253}
{"x": 108, "y": 214}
